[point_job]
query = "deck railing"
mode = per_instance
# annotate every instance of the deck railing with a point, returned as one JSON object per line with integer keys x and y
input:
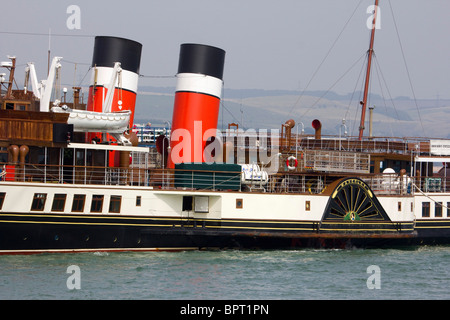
{"x": 169, "y": 179}
{"x": 296, "y": 142}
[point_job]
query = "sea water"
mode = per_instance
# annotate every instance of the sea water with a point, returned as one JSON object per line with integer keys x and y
{"x": 414, "y": 273}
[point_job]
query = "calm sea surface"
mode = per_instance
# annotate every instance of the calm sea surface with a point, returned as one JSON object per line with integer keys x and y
{"x": 419, "y": 273}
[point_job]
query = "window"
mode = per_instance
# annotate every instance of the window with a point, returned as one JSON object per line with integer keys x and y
{"x": 187, "y": 203}
{"x": 97, "y": 203}
{"x": 448, "y": 209}
{"x": 38, "y": 201}
{"x": 114, "y": 204}
{"x": 425, "y": 209}
{"x": 138, "y": 201}
{"x": 79, "y": 157}
{"x": 3, "y": 158}
{"x": 2, "y": 199}
{"x": 78, "y": 203}
{"x": 59, "y": 201}
{"x": 399, "y": 205}
{"x": 438, "y": 209}
{"x": 239, "y": 203}
{"x": 308, "y": 205}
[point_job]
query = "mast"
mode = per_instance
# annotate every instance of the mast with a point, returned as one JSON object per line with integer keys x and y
{"x": 369, "y": 64}
{"x": 11, "y": 78}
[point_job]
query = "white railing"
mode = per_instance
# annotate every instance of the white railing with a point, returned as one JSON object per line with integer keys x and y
{"x": 337, "y": 161}
{"x": 209, "y": 180}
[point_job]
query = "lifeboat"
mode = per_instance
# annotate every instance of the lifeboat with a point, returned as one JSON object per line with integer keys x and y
{"x": 91, "y": 121}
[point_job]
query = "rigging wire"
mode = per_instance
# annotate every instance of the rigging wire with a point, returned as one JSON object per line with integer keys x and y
{"x": 378, "y": 71}
{"x": 323, "y": 60}
{"x": 75, "y": 71}
{"x": 406, "y": 66}
{"x": 378, "y": 68}
{"x": 74, "y": 62}
{"x": 46, "y": 34}
{"x": 356, "y": 123}
{"x": 232, "y": 115}
{"x": 332, "y": 86}
{"x": 354, "y": 91}
{"x": 222, "y": 103}
{"x": 156, "y": 77}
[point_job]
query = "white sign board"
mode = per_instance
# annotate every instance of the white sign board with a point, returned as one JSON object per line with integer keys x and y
{"x": 440, "y": 147}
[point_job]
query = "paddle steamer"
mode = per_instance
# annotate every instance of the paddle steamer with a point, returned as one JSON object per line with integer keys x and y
{"x": 74, "y": 177}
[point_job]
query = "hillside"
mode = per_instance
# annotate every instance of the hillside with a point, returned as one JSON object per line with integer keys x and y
{"x": 269, "y": 109}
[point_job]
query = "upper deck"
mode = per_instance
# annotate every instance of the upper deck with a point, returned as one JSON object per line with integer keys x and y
{"x": 87, "y": 164}
{"x": 284, "y": 162}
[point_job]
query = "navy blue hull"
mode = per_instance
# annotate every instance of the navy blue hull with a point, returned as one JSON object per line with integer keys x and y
{"x": 32, "y": 233}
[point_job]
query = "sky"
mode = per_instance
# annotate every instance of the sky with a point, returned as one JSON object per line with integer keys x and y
{"x": 272, "y": 45}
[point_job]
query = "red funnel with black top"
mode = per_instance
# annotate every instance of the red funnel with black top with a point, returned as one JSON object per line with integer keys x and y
{"x": 197, "y": 102}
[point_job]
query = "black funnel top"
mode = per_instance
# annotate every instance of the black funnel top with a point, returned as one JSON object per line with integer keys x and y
{"x": 203, "y": 59}
{"x": 108, "y": 50}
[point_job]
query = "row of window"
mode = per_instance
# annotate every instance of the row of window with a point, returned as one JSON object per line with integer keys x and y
{"x": 78, "y": 203}
{"x": 437, "y": 209}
